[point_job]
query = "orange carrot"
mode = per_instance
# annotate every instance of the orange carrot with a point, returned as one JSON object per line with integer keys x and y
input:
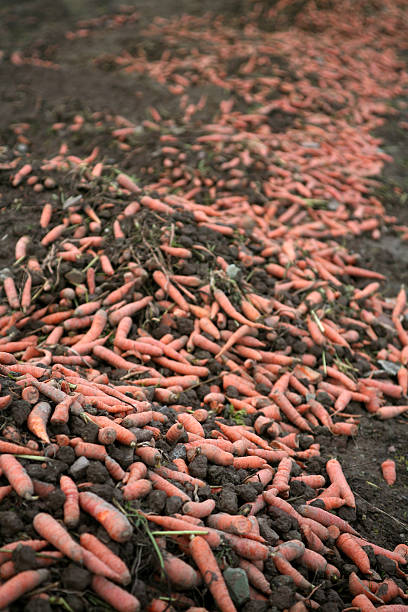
{"x": 71, "y": 504}
{"x": 284, "y": 567}
{"x": 179, "y": 476}
{"x": 106, "y": 436}
{"x": 361, "y": 602}
{"x": 211, "y": 573}
{"x": 135, "y": 489}
{"x": 46, "y": 214}
{"x": 16, "y": 449}
{"x": 326, "y": 518}
{"x": 348, "y": 545}
{"x": 114, "y": 469}
{"x": 17, "y": 476}
{"x": 118, "y": 598}
{"x": 90, "y": 450}
{"x": 164, "y": 485}
{"x": 15, "y": 588}
{"x": 389, "y": 471}
{"x": 180, "y": 573}
{"x": 162, "y": 280}
{"x": 115, "y": 523}
{"x": 190, "y": 423}
{"x": 11, "y": 293}
{"x": 199, "y": 509}
{"x": 55, "y": 534}
{"x": 389, "y": 412}
{"x": 37, "y": 420}
{"x": 335, "y": 473}
{"x": 91, "y": 543}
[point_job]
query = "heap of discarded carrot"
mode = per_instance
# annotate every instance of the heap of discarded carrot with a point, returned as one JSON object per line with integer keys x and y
{"x": 130, "y": 364}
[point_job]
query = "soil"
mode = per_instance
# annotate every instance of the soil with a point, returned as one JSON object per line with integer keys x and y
{"x": 83, "y": 79}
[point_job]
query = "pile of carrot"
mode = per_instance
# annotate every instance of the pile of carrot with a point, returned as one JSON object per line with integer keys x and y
{"x": 207, "y": 320}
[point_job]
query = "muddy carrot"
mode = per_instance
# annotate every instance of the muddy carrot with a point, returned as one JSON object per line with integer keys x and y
{"x": 37, "y": 420}
{"x": 346, "y": 543}
{"x": 11, "y": 293}
{"x": 17, "y": 476}
{"x": 54, "y": 533}
{"x": 211, "y": 573}
{"x": 118, "y": 598}
{"x": 94, "y": 545}
{"x": 17, "y": 586}
{"x": 389, "y": 471}
{"x": 71, "y": 504}
{"x": 180, "y": 573}
{"x": 335, "y": 473}
{"x": 115, "y": 523}
{"x": 326, "y": 518}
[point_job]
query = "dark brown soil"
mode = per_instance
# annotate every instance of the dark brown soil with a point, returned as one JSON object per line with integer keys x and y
{"x": 41, "y": 96}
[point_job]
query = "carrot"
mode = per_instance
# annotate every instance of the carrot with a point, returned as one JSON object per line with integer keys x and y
{"x": 284, "y": 567}
{"x": 389, "y": 412}
{"x": 17, "y": 476}
{"x": 179, "y": 476}
{"x": 255, "y": 576}
{"x": 389, "y": 471}
{"x": 174, "y": 433}
{"x": 281, "y": 478}
{"x": 348, "y": 545}
{"x": 37, "y": 420}
{"x": 53, "y": 234}
{"x": 149, "y": 455}
{"x": 212, "y": 577}
{"x": 30, "y": 394}
{"x": 123, "y": 435}
{"x": 136, "y": 489}
{"x": 46, "y": 214}
{"x": 11, "y": 293}
{"x": 362, "y": 602}
{"x": 118, "y": 294}
{"x": 71, "y": 504}
{"x": 106, "y": 435}
{"x": 290, "y": 411}
{"x": 91, "y": 543}
{"x": 199, "y": 509}
{"x": 190, "y": 423}
{"x": 26, "y": 294}
{"x": 239, "y": 525}
{"x": 18, "y": 585}
{"x": 326, "y": 518}
{"x": 115, "y": 523}
{"x": 180, "y": 573}
{"x": 55, "y": 534}
{"x": 164, "y": 283}
{"x": 156, "y": 205}
{"x": 164, "y": 485}
{"x": 335, "y": 473}
{"x": 358, "y": 587}
{"x": 118, "y": 598}
{"x": 90, "y": 450}
{"x": 129, "y": 309}
{"x": 16, "y": 449}
{"x": 114, "y": 469}
{"x": 99, "y": 321}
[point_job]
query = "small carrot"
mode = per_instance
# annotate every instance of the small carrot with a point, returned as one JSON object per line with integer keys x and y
{"x": 335, "y": 473}
{"x": 164, "y": 485}
{"x": 37, "y": 420}
{"x": 17, "y": 476}
{"x": 284, "y": 567}
{"x": 71, "y": 504}
{"x": 136, "y": 489}
{"x": 180, "y": 573}
{"x": 199, "y": 509}
{"x": 211, "y": 573}
{"x": 17, "y": 586}
{"x": 115, "y": 523}
{"x": 91, "y": 543}
{"x": 55, "y": 534}
{"x": 348, "y": 545}
{"x": 118, "y": 598}
{"x": 326, "y": 518}
{"x": 90, "y": 450}
{"x": 389, "y": 471}
{"x": 11, "y": 293}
